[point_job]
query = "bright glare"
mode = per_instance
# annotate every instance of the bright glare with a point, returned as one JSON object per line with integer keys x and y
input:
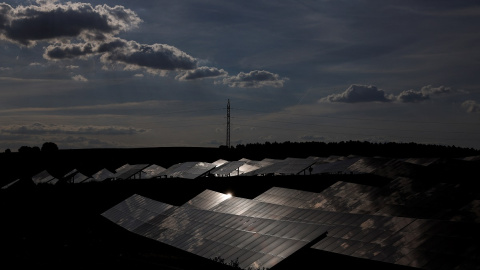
{"x": 229, "y": 195}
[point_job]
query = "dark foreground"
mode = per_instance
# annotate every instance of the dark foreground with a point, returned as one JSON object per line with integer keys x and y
{"x": 53, "y": 227}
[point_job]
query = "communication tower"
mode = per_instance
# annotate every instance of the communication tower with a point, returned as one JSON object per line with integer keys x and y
{"x": 228, "y": 124}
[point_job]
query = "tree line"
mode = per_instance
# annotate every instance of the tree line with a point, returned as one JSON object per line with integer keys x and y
{"x": 345, "y": 148}
{"x": 46, "y": 147}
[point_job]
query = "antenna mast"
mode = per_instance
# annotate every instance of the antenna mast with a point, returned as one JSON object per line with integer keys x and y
{"x": 228, "y": 124}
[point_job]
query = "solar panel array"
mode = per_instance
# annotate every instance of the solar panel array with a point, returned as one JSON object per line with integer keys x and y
{"x": 44, "y": 177}
{"x": 231, "y": 168}
{"x": 288, "y": 166}
{"x": 188, "y": 170}
{"x": 152, "y": 171}
{"x": 128, "y": 171}
{"x": 264, "y": 231}
{"x": 102, "y": 175}
{"x": 336, "y": 166}
{"x": 74, "y": 176}
{"x": 252, "y": 241}
{"x": 414, "y": 242}
{"x": 423, "y": 161}
{"x": 404, "y": 222}
{"x": 252, "y": 165}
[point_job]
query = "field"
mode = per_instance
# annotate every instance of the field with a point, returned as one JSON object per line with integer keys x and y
{"x": 60, "y": 226}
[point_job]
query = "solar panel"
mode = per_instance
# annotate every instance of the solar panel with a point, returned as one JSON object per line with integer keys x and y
{"x": 228, "y": 169}
{"x": 398, "y": 240}
{"x": 367, "y": 165}
{"x": 75, "y": 177}
{"x": 422, "y": 161}
{"x": 220, "y": 162}
{"x": 152, "y": 171}
{"x": 101, "y": 175}
{"x": 10, "y": 184}
{"x": 287, "y": 166}
{"x": 44, "y": 177}
{"x": 131, "y": 171}
{"x": 188, "y": 170}
{"x": 254, "y": 242}
{"x": 337, "y": 166}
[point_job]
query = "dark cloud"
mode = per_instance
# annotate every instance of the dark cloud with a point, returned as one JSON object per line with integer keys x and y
{"x": 202, "y": 72}
{"x": 409, "y": 96}
{"x": 130, "y": 53}
{"x": 68, "y": 51}
{"x": 358, "y": 93}
{"x": 112, "y": 45}
{"x": 42, "y": 129}
{"x": 155, "y": 57}
{"x": 48, "y": 21}
{"x": 80, "y": 30}
{"x": 255, "y": 79}
{"x": 430, "y": 90}
{"x": 369, "y": 93}
{"x": 471, "y": 106}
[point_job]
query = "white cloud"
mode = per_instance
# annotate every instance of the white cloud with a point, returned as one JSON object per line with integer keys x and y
{"x": 79, "y": 78}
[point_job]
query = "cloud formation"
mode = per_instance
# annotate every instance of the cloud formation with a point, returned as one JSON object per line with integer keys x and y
{"x": 358, "y": 93}
{"x": 255, "y": 79}
{"x": 412, "y": 96}
{"x": 152, "y": 57}
{"x": 201, "y": 73}
{"x": 81, "y": 30}
{"x": 41, "y": 129}
{"x": 471, "y": 106}
{"x": 26, "y": 25}
{"x": 369, "y": 93}
{"x": 79, "y": 78}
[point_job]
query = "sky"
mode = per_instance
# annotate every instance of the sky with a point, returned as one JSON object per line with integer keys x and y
{"x": 107, "y": 74}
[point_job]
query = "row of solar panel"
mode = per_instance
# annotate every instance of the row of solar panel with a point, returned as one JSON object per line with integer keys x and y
{"x": 124, "y": 172}
{"x": 287, "y": 213}
{"x": 253, "y": 242}
{"x": 245, "y": 167}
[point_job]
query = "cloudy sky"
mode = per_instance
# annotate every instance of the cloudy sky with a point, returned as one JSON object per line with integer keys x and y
{"x": 147, "y": 73}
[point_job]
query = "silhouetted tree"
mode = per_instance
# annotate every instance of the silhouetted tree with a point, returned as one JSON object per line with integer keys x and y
{"x": 25, "y": 149}
{"x": 49, "y": 147}
{"x": 8, "y": 151}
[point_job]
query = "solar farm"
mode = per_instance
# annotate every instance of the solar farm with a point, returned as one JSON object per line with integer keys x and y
{"x": 335, "y": 211}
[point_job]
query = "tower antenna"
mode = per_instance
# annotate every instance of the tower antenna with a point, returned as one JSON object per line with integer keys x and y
{"x": 228, "y": 124}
